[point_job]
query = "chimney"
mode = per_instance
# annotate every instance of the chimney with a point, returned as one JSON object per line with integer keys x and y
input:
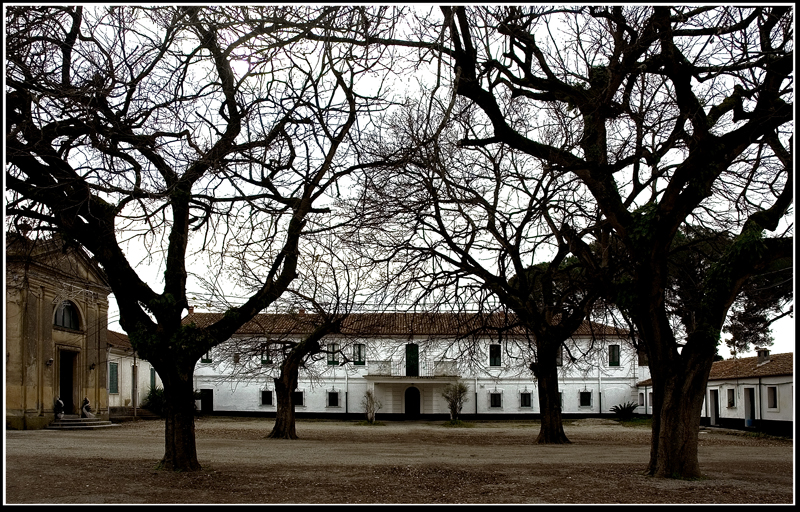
{"x": 302, "y": 311}
{"x": 763, "y": 356}
{"x": 191, "y": 309}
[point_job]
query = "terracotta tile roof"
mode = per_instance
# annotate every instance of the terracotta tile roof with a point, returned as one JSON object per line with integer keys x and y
{"x": 778, "y": 364}
{"x": 384, "y": 324}
{"x": 118, "y": 340}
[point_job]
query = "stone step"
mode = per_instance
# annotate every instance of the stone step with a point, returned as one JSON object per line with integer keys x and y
{"x": 75, "y": 422}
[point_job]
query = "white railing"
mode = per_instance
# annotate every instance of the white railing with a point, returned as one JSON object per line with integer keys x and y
{"x": 426, "y": 368}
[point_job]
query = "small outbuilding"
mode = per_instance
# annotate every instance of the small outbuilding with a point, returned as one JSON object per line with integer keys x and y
{"x": 750, "y": 393}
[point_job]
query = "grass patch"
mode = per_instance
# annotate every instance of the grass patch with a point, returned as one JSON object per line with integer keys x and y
{"x": 458, "y": 424}
{"x": 639, "y": 421}
{"x": 759, "y": 435}
{"x": 365, "y": 423}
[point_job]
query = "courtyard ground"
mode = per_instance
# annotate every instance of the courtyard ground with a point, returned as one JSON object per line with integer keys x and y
{"x": 398, "y": 462}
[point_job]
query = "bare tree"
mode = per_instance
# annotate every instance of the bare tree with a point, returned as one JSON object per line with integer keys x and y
{"x": 488, "y": 231}
{"x": 183, "y": 130}
{"x": 668, "y": 116}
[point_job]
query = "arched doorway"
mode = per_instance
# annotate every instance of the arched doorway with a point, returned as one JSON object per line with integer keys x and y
{"x": 412, "y": 401}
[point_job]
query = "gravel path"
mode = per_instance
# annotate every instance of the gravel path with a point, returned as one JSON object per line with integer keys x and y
{"x": 398, "y": 462}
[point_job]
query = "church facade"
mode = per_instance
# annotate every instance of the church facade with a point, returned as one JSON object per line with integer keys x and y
{"x": 56, "y": 331}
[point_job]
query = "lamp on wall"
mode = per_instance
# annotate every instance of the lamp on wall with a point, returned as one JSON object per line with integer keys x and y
{"x": 49, "y": 362}
{"x": 91, "y": 366}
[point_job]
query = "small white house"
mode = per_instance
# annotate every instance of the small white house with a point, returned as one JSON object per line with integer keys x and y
{"x": 129, "y": 377}
{"x": 748, "y": 393}
{"x": 406, "y": 360}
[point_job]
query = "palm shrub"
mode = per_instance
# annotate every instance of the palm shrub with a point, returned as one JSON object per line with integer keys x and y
{"x": 625, "y": 411}
{"x": 154, "y": 401}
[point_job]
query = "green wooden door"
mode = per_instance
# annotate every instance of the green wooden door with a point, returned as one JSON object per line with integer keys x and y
{"x": 412, "y": 360}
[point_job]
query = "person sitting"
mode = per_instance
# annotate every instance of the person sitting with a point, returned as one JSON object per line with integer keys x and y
{"x": 58, "y": 409}
{"x": 86, "y": 410}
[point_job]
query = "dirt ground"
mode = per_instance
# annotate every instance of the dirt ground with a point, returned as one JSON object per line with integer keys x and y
{"x": 338, "y": 462}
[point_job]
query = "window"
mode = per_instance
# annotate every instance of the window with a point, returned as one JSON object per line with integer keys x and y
{"x": 266, "y": 397}
{"x": 333, "y": 399}
{"x": 494, "y": 355}
{"x": 525, "y": 399}
{"x": 359, "y": 353}
{"x": 113, "y": 378}
{"x": 641, "y": 398}
{"x": 650, "y": 398}
{"x": 613, "y": 355}
{"x": 333, "y": 354}
{"x": 265, "y": 359}
{"x": 586, "y": 398}
{"x": 731, "y": 398}
{"x": 67, "y": 316}
{"x": 642, "y": 356}
{"x": 495, "y": 400}
{"x": 560, "y": 399}
{"x": 206, "y": 358}
{"x": 560, "y": 356}
{"x": 772, "y": 397}
{"x": 297, "y": 398}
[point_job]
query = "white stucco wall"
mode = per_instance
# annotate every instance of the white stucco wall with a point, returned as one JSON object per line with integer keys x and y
{"x": 237, "y": 390}
{"x": 124, "y": 397}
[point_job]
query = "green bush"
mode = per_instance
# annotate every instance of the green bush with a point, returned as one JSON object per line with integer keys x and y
{"x": 625, "y": 411}
{"x": 155, "y": 401}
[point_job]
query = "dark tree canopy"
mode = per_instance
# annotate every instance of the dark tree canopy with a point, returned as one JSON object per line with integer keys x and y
{"x": 186, "y": 130}
{"x": 671, "y": 117}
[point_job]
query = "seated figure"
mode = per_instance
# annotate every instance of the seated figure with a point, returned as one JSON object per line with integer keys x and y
{"x": 58, "y": 409}
{"x": 86, "y": 410}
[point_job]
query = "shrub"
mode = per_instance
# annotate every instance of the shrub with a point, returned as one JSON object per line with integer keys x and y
{"x": 455, "y": 395}
{"x": 625, "y": 411}
{"x": 371, "y": 405}
{"x": 154, "y": 401}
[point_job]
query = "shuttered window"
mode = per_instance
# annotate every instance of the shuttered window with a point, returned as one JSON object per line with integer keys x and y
{"x": 613, "y": 355}
{"x": 494, "y": 355}
{"x": 359, "y": 354}
{"x": 113, "y": 378}
{"x": 333, "y": 354}
{"x": 266, "y": 397}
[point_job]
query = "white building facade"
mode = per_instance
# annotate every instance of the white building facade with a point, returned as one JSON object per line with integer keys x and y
{"x": 129, "y": 376}
{"x": 751, "y": 393}
{"x": 406, "y": 361}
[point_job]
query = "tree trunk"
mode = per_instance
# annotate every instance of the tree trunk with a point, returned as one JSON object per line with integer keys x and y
{"x": 552, "y": 428}
{"x": 678, "y": 400}
{"x": 180, "y": 451}
{"x": 285, "y": 385}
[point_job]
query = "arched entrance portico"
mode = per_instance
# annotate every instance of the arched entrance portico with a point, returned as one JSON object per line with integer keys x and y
{"x": 412, "y": 403}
